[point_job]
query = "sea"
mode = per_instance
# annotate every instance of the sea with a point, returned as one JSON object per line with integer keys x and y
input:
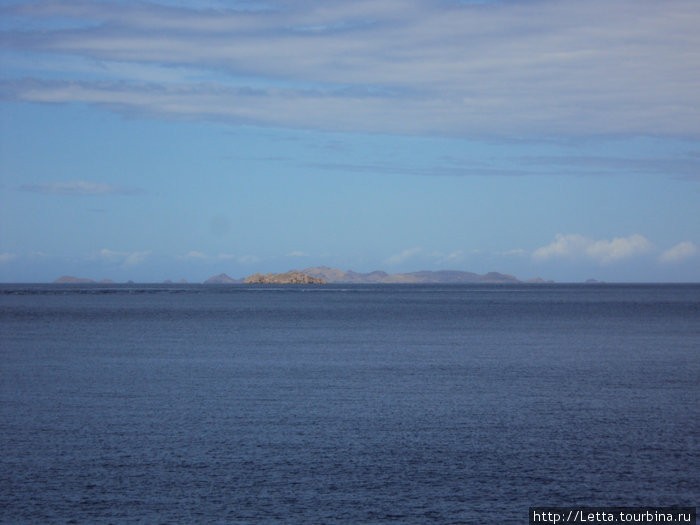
{"x": 254, "y": 404}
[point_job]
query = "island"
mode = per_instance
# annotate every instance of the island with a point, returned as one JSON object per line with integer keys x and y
{"x": 292, "y": 277}
{"x": 222, "y": 278}
{"x": 333, "y": 275}
{"x": 325, "y": 274}
{"x": 69, "y": 279}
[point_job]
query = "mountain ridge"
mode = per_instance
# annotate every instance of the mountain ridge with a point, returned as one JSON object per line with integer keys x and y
{"x": 222, "y": 278}
{"x": 290, "y": 277}
{"x": 334, "y": 275}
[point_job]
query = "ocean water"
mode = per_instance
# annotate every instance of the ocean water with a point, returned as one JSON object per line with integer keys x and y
{"x": 344, "y": 404}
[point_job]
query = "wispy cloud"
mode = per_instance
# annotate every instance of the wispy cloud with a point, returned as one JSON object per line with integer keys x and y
{"x": 447, "y": 259}
{"x": 439, "y": 170}
{"x": 453, "y": 257}
{"x": 136, "y": 258}
{"x": 398, "y": 66}
{"x": 248, "y": 259}
{"x": 687, "y": 167}
{"x": 241, "y": 259}
{"x": 194, "y": 254}
{"x": 79, "y": 187}
{"x": 575, "y": 246}
{"x": 680, "y": 252}
{"x": 404, "y": 256}
{"x": 123, "y": 258}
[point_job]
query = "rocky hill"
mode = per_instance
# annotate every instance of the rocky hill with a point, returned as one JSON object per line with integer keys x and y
{"x": 69, "y": 279}
{"x": 292, "y": 277}
{"x": 222, "y": 278}
{"x": 333, "y": 275}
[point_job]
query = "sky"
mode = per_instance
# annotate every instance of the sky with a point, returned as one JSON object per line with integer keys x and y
{"x": 168, "y": 139}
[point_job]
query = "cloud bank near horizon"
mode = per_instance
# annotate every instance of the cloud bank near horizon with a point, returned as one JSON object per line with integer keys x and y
{"x": 384, "y": 66}
{"x": 575, "y": 246}
{"x": 682, "y": 251}
{"x": 624, "y": 254}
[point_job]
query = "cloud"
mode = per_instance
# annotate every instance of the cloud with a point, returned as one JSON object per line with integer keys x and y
{"x": 110, "y": 255}
{"x": 248, "y": 259}
{"x": 456, "y": 256}
{"x": 123, "y": 258}
{"x": 229, "y": 257}
{"x": 7, "y": 257}
{"x": 444, "y": 170}
{"x": 79, "y": 187}
{"x": 396, "y": 66}
{"x": 193, "y": 254}
{"x": 242, "y": 259}
{"x": 402, "y": 257}
{"x": 196, "y": 255}
{"x": 136, "y": 258}
{"x": 687, "y": 167}
{"x": 575, "y": 246}
{"x": 297, "y": 253}
{"x": 680, "y": 252}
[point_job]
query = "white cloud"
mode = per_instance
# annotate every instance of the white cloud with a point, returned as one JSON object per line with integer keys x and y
{"x": 575, "y": 246}
{"x": 399, "y": 66}
{"x": 297, "y": 253}
{"x": 123, "y": 258}
{"x": 104, "y": 253}
{"x": 456, "y": 256}
{"x": 619, "y": 248}
{"x": 680, "y": 252}
{"x": 79, "y": 187}
{"x": 193, "y": 254}
{"x": 403, "y": 256}
{"x": 136, "y": 258}
{"x": 248, "y": 259}
{"x": 564, "y": 246}
{"x": 242, "y": 259}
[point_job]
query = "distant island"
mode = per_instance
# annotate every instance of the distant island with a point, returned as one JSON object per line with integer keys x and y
{"x": 325, "y": 274}
{"x": 292, "y": 277}
{"x": 69, "y": 279}
{"x": 333, "y": 275}
{"x": 222, "y": 278}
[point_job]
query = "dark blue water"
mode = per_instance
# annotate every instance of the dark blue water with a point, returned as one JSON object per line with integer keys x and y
{"x": 345, "y": 404}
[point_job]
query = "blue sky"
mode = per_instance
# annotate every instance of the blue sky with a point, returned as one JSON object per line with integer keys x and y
{"x": 171, "y": 139}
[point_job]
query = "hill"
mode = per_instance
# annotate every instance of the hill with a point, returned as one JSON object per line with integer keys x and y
{"x": 222, "y": 278}
{"x": 291, "y": 277}
{"x": 333, "y": 275}
{"x": 69, "y": 279}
